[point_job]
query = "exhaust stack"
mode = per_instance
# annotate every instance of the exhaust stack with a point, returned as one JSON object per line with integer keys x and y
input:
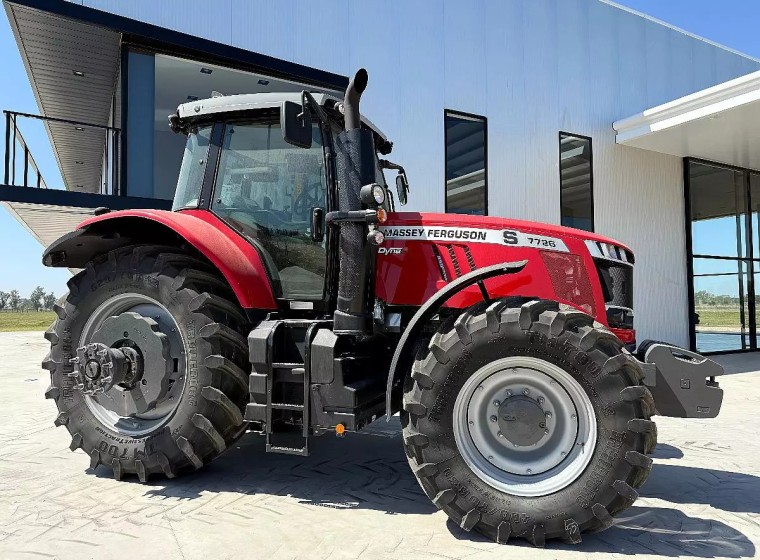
{"x": 355, "y": 165}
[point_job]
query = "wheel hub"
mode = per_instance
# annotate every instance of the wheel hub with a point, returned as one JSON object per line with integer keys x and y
{"x": 127, "y": 361}
{"x": 98, "y": 368}
{"x": 522, "y": 421}
{"x": 524, "y": 425}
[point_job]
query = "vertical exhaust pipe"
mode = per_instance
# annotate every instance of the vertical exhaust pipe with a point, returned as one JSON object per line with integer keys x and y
{"x": 352, "y": 98}
{"x": 355, "y": 165}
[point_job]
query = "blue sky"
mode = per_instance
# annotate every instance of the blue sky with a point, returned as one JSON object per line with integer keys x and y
{"x": 729, "y": 22}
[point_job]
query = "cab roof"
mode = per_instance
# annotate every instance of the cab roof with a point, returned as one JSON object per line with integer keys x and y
{"x": 253, "y": 101}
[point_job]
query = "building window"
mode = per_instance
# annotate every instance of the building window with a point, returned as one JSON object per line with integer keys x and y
{"x": 576, "y": 181}
{"x": 466, "y": 164}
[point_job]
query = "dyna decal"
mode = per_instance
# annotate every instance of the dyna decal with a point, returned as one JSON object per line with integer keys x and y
{"x": 510, "y": 237}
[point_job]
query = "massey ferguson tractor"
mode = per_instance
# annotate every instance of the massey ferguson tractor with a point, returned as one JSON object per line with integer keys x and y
{"x": 284, "y": 295}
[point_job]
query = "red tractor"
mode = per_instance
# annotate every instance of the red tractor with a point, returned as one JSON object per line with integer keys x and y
{"x": 286, "y": 296}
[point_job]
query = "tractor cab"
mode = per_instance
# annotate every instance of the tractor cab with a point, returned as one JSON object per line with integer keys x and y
{"x": 265, "y": 164}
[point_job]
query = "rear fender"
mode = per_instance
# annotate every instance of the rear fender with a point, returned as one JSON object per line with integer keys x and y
{"x": 236, "y": 259}
{"x": 402, "y": 357}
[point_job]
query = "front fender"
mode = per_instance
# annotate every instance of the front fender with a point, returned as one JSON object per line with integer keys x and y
{"x": 402, "y": 356}
{"x": 237, "y": 260}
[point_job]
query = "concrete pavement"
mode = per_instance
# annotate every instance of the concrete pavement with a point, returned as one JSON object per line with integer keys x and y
{"x": 353, "y": 498}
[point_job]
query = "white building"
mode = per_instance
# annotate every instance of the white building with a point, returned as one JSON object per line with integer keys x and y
{"x": 575, "y": 111}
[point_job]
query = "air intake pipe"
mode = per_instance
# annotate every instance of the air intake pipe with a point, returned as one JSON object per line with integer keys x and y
{"x": 355, "y": 166}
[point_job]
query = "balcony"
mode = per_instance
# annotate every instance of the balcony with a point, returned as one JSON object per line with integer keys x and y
{"x": 89, "y": 158}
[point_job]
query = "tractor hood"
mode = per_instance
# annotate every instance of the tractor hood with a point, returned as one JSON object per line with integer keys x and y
{"x": 423, "y": 252}
{"x": 462, "y": 228}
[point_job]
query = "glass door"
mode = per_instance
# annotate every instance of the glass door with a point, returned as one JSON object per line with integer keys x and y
{"x": 724, "y": 206}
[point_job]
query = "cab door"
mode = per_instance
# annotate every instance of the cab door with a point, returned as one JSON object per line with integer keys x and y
{"x": 268, "y": 189}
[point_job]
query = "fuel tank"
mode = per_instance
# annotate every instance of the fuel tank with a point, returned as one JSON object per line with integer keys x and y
{"x": 422, "y": 252}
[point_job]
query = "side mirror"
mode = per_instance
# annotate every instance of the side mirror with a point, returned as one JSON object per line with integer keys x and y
{"x": 295, "y": 121}
{"x": 318, "y": 224}
{"x": 402, "y": 188}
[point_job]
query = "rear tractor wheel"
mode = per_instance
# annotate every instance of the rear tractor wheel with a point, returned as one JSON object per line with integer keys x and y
{"x": 147, "y": 362}
{"x": 528, "y": 422}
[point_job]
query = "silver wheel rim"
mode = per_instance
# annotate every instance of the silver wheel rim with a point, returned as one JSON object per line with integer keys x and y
{"x": 521, "y": 457}
{"x": 164, "y": 409}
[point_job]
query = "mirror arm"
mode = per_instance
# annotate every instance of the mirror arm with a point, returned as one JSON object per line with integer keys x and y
{"x": 307, "y": 100}
{"x": 385, "y": 164}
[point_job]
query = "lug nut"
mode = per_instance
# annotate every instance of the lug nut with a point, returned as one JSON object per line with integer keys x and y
{"x": 540, "y": 400}
{"x": 563, "y": 454}
{"x": 509, "y": 393}
{"x": 496, "y": 403}
{"x": 573, "y": 416}
{"x": 471, "y": 423}
{"x": 542, "y": 425}
{"x": 480, "y": 388}
{"x": 548, "y": 414}
{"x": 529, "y": 471}
{"x": 490, "y": 457}
{"x": 526, "y": 392}
{"x": 493, "y": 419}
{"x": 500, "y": 435}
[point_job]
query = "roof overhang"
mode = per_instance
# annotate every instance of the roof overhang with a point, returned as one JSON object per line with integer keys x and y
{"x": 48, "y": 214}
{"x": 73, "y": 68}
{"x": 720, "y": 123}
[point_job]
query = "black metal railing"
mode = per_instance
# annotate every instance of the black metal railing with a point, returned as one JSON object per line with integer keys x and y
{"x": 22, "y": 170}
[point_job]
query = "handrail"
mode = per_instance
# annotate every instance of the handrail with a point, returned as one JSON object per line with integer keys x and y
{"x": 10, "y": 154}
{"x": 14, "y": 142}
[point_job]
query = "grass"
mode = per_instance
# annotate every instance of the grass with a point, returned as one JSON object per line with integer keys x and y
{"x": 718, "y": 317}
{"x": 11, "y": 321}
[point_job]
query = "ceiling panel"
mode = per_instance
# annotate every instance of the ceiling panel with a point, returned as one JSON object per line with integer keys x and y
{"x": 47, "y": 223}
{"x": 52, "y": 48}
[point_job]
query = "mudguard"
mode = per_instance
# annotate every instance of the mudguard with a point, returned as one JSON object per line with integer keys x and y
{"x": 234, "y": 256}
{"x": 401, "y": 356}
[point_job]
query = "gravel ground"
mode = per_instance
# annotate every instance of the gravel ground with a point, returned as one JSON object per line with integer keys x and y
{"x": 352, "y": 498}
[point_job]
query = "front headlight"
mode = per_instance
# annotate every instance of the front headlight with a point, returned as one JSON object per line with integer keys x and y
{"x": 378, "y": 193}
{"x": 372, "y": 195}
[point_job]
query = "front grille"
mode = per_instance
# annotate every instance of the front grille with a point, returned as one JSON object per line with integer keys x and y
{"x": 617, "y": 287}
{"x": 617, "y": 283}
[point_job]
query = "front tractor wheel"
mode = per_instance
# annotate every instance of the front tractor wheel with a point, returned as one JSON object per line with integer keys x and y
{"x": 528, "y": 422}
{"x": 147, "y": 361}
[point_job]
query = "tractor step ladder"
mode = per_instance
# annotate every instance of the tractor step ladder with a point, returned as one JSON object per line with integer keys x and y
{"x": 280, "y": 383}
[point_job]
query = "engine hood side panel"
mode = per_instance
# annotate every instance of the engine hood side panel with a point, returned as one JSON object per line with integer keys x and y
{"x": 424, "y": 252}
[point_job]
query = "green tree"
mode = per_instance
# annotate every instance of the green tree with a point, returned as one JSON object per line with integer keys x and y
{"x": 36, "y": 298}
{"x": 4, "y": 299}
{"x": 13, "y": 300}
{"x": 48, "y": 300}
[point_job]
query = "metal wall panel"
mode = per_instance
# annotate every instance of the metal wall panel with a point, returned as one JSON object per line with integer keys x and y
{"x": 533, "y": 68}
{"x": 210, "y": 19}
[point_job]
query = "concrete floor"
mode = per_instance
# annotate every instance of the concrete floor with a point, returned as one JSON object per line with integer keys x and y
{"x": 352, "y": 498}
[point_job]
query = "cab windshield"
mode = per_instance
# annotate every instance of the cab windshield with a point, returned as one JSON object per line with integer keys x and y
{"x": 192, "y": 169}
{"x": 267, "y": 189}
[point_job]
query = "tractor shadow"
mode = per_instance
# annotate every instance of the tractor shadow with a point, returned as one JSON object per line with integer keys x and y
{"x": 665, "y": 451}
{"x": 369, "y": 470}
{"x": 662, "y": 532}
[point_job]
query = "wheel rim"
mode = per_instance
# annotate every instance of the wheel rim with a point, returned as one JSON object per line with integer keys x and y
{"x": 525, "y": 426}
{"x": 169, "y": 377}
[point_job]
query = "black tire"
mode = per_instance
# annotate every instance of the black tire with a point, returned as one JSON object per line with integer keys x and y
{"x": 568, "y": 339}
{"x": 209, "y": 416}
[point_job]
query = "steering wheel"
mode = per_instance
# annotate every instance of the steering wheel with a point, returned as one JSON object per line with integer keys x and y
{"x": 306, "y": 200}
